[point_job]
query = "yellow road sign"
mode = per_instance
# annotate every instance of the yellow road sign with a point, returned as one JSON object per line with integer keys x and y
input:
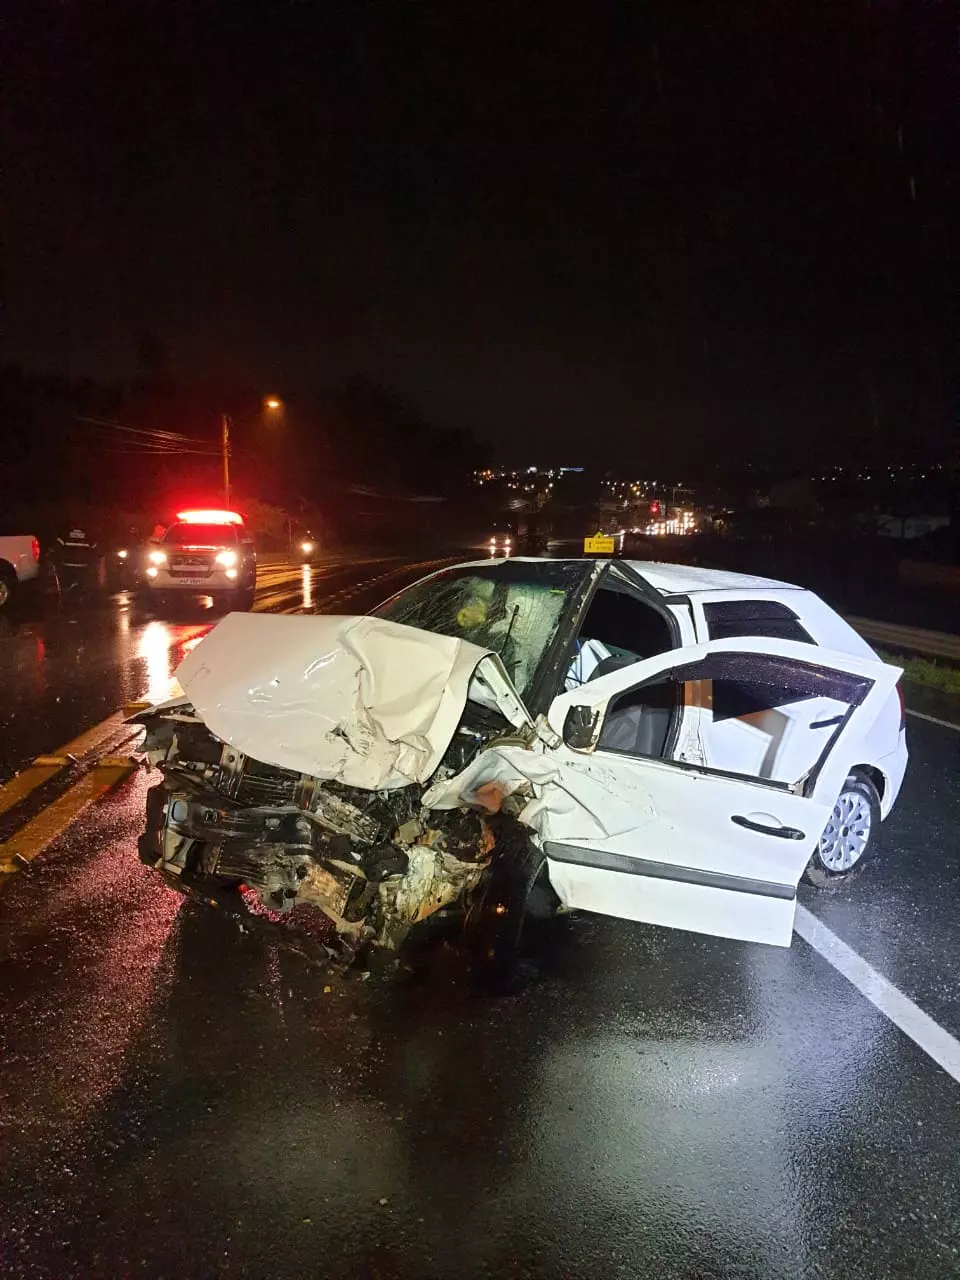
{"x": 601, "y": 544}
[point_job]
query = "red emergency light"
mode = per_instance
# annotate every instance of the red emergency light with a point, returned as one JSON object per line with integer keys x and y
{"x": 209, "y": 517}
{"x": 654, "y": 508}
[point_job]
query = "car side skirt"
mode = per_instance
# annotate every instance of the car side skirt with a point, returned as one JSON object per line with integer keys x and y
{"x": 677, "y": 897}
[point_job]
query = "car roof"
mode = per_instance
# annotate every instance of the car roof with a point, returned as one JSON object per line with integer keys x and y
{"x": 687, "y": 579}
{"x": 671, "y": 579}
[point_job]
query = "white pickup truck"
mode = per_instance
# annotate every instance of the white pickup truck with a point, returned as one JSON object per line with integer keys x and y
{"x": 19, "y": 563}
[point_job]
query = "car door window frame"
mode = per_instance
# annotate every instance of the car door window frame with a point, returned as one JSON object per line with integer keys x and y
{"x": 801, "y": 786}
{"x": 561, "y": 655}
{"x": 600, "y": 696}
{"x": 702, "y": 624}
{"x": 777, "y": 612}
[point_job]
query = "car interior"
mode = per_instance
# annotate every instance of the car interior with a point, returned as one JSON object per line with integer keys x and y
{"x": 756, "y": 720}
{"x": 619, "y": 630}
{"x": 759, "y": 716}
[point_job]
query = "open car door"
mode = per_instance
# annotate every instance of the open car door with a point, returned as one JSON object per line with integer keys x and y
{"x": 711, "y": 850}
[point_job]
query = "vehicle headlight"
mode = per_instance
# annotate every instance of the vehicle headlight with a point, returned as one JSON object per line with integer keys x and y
{"x": 306, "y": 547}
{"x": 158, "y": 557}
{"x": 226, "y": 558}
{"x": 123, "y": 554}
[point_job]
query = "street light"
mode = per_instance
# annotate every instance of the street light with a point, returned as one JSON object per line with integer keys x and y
{"x": 270, "y": 404}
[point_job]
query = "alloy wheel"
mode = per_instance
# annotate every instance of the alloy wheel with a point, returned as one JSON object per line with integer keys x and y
{"x": 847, "y": 834}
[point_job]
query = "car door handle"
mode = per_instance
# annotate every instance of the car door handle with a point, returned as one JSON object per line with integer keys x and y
{"x": 827, "y": 724}
{"x": 783, "y": 833}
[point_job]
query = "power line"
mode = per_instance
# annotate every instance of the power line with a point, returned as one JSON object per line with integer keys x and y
{"x": 147, "y": 433}
{"x": 147, "y": 450}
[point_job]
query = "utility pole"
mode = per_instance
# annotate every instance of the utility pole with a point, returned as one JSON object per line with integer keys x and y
{"x": 225, "y": 446}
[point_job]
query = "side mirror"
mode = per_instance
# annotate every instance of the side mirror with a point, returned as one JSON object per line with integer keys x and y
{"x": 580, "y": 727}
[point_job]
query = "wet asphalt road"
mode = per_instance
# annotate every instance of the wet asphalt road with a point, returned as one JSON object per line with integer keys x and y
{"x": 179, "y": 1099}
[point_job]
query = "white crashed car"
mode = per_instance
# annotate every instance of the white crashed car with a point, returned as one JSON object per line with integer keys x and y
{"x": 663, "y": 743}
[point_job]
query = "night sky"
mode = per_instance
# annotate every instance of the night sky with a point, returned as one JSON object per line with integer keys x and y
{"x": 697, "y": 231}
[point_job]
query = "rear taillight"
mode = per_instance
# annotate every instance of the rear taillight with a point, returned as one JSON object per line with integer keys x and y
{"x": 35, "y": 548}
{"x": 903, "y": 710}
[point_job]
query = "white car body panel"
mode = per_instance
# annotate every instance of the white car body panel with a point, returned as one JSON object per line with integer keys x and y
{"x": 368, "y": 702}
{"x": 17, "y": 550}
{"x": 885, "y": 746}
{"x": 713, "y": 839}
{"x": 682, "y": 579}
{"x": 707, "y": 873}
{"x": 598, "y": 693}
{"x": 824, "y": 624}
{"x": 623, "y": 813}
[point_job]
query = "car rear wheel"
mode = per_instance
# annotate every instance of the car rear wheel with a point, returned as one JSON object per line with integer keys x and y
{"x": 849, "y": 838}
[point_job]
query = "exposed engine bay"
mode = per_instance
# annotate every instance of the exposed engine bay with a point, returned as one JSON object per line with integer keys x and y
{"x": 374, "y": 862}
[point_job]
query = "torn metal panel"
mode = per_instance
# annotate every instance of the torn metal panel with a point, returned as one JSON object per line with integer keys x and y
{"x": 583, "y": 802}
{"x": 361, "y": 700}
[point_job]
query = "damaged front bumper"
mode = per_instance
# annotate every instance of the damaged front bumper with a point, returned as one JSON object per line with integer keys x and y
{"x": 373, "y": 881}
{"x": 347, "y": 722}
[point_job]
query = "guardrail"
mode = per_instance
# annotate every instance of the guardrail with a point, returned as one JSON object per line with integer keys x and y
{"x": 890, "y": 635}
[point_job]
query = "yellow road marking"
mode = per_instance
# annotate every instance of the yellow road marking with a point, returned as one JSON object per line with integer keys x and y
{"x": 87, "y": 740}
{"x": 33, "y": 776}
{"x": 44, "y": 768}
{"x": 34, "y": 836}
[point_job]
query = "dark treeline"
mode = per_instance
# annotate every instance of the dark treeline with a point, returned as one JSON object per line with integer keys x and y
{"x": 353, "y": 461}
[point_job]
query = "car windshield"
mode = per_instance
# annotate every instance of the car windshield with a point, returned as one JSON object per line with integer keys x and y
{"x": 513, "y": 608}
{"x": 201, "y": 535}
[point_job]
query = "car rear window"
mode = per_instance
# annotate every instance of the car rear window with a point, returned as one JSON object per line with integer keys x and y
{"x": 728, "y": 619}
{"x": 201, "y": 535}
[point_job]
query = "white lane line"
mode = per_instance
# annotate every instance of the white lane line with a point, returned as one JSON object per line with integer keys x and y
{"x": 922, "y": 715}
{"x": 937, "y": 1043}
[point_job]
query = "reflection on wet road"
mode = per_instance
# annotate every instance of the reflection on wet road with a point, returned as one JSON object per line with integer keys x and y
{"x": 658, "y": 1104}
{"x": 161, "y": 648}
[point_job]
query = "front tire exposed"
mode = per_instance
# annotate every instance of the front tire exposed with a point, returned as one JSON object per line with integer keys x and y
{"x": 514, "y": 891}
{"x": 849, "y": 838}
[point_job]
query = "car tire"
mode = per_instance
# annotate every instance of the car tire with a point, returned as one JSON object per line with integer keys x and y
{"x": 8, "y": 587}
{"x": 849, "y": 838}
{"x": 514, "y": 891}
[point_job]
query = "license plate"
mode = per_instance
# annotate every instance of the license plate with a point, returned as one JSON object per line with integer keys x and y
{"x": 190, "y": 582}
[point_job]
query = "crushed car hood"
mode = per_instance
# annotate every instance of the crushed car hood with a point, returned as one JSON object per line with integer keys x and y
{"x": 367, "y": 702}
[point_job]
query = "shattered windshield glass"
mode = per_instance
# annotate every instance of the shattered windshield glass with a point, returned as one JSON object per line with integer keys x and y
{"x": 513, "y": 608}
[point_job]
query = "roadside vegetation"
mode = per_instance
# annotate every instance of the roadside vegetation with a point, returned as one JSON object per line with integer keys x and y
{"x": 935, "y": 675}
